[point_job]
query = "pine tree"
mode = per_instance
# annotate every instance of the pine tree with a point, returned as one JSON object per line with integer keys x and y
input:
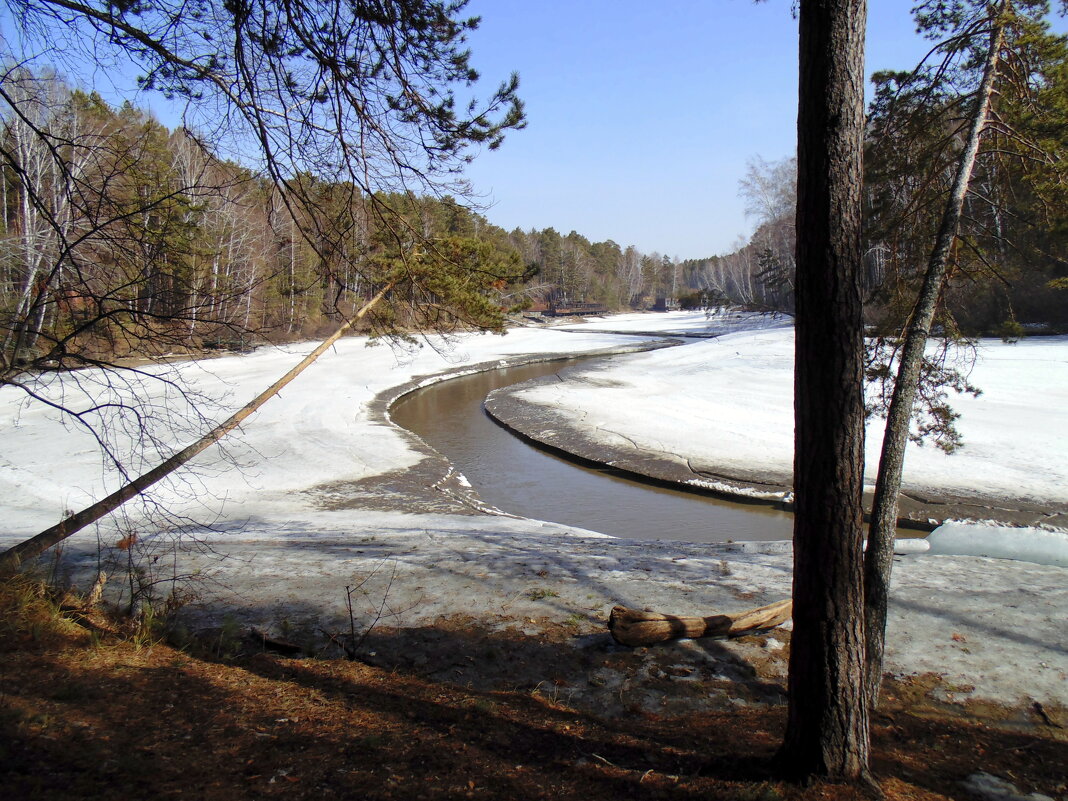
{"x": 989, "y": 48}
{"x": 827, "y": 726}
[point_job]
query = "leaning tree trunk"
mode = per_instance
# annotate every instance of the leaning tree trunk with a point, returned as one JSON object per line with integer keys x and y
{"x": 827, "y": 726}
{"x": 11, "y": 559}
{"x": 880, "y": 554}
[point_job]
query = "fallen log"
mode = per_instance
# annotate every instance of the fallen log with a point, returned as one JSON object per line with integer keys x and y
{"x": 634, "y": 627}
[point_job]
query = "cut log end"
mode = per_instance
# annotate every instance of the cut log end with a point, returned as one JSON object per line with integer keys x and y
{"x": 635, "y": 627}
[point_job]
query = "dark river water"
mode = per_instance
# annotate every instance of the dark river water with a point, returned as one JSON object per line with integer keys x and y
{"x": 518, "y": 478}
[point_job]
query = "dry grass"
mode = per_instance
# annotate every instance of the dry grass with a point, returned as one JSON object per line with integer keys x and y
{"x": 89, "y": 715}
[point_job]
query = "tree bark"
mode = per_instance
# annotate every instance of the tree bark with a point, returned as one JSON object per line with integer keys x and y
{"x": 879, "y": 558}
{"x": 827, "y": 726}
{"x": 635, "y": 627}
{"x": 11, "y": 559}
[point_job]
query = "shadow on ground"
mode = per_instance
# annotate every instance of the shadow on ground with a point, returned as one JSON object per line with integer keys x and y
{"x": 87, "y": 716}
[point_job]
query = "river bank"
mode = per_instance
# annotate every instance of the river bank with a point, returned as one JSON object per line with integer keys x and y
{"x": 509, "y": 474}
{"x": 545, "y": 427}
{"x": 716, "y": 415}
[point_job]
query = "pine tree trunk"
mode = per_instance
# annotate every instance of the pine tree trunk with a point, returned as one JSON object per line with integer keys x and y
{"x": 827, "y": 728}
{"x": 879, "y": 558}
{"x": 11, "y": 559}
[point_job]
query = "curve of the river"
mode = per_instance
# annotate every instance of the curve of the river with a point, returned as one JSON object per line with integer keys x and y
{"x": 518, "y": 478}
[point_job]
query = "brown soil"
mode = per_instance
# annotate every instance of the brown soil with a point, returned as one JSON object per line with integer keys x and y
{"x": 91, "y": 714}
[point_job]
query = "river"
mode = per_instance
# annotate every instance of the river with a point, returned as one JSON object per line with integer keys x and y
{"x": 516, "y": 477}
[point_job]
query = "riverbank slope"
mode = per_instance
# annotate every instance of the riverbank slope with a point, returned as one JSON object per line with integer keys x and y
{"x": 718, "y": 414}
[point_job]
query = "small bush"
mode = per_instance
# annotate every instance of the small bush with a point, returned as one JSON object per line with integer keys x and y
{"x": 1011, "y": 331}
{"x": 30, "y": 615}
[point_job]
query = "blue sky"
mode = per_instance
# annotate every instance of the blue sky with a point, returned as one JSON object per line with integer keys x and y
{"x": 642, "y": 115}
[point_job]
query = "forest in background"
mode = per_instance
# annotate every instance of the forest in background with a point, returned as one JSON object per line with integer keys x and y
{"x": 120, "y": 237}
{"x": 114, "y": 226}
{"x": 1008, "y": 267}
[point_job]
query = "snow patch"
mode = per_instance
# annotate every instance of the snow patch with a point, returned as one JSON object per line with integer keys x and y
{"x": 749, "y": 492}
{"x": 965, "y": 538}
{"x": 726, "y": 404}
{"x": 993, "y": 788}
{"x": 917, "y": 545}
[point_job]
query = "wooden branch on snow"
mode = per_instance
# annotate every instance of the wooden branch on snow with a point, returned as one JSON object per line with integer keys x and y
{"x": 634, "y": 627}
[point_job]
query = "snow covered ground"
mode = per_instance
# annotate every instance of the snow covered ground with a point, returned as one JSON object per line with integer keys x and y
{"x": 319, "y": 430}
{"x": 724, "y": 406}
{"x": 993, "y": 628}
{"x": 728, "y": 402}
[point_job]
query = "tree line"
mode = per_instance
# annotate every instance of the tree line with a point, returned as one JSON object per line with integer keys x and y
{"x": 122, "y": 237}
